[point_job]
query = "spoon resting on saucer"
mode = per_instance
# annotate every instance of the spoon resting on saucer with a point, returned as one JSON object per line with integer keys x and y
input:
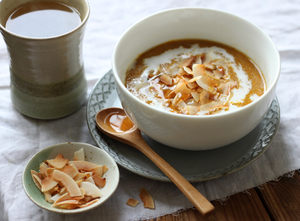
{"x": 114, "y": 123}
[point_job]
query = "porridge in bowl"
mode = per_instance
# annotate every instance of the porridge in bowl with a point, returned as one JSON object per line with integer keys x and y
{"x": 195, "y": 77}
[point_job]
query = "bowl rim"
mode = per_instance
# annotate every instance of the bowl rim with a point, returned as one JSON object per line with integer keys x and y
{"x": 72, "y": 211}
{"x": 168, "y": 113}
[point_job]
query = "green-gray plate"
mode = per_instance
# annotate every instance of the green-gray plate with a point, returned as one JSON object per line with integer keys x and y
{"x": 195, "y": 166}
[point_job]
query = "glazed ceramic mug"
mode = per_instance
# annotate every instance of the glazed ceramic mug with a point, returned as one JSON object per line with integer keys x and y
{"x": 46, "y": 72}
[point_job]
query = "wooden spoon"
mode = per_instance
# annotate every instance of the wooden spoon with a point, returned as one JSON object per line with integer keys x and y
{"x": 114, "y": 123}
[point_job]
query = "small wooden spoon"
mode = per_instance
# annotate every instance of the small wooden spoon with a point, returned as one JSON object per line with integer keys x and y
{"x": 114, "y": 123}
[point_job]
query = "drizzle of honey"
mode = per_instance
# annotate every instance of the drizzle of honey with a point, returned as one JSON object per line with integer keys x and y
{"x": 118, "y": 122}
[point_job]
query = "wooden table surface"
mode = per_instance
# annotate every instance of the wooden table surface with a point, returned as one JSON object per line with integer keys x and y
{"x": 275, "y": 200}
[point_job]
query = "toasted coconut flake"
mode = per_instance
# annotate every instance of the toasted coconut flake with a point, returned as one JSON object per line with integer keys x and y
{"x": 68, "y": 206}
{"x": 204, "y": 97}
{"x": 98, "y": 170}
{"x": 176, "y": 100}
{"x": 48, "y": 183}
{"x": 48, "y": 197}
{"x": 207, "y": 84}
{"x": 79, "y": 182}
{"x": 37, "y": 178}
{"x": 56, "y": 197}
{"x": 214, "y": 105}
{"x": 192, "y": 85}
{"x": 79, "y": 155}
{"x": 62, "y": 190}
{"x": 173, "y": 70}
{"x": 43, "y": 169}
{"x": 132, "y": 202}
{"x": 186, "y": 62}
{"x": 147, "y": 199}
{"x": 99, "y": 181}
{"x": 198, "y": 60}
{"x": 198, "y": 70}
{"x": 209, "y": 56}
{"x": 166, "y": 79}
{"x": 67, "y": 202}
{"x": 209, "y": 66}
{"x": 185, "y": 92}
{"x": 105, "y": 169}
{"x": 88, "y": 203}
{"x": 59, "y": 162}
{"x": 227, "y": 87}
{"x": 68, "y": 182}
{"x": 219, "y": 73}
{"x": 71, "y": 170}
{"x": 196, "y": 96}
{"x": 88, "y": 174}
{"x": 220, "y": 63}
{"x": 187, "y": 70}
{"x": 49, "y": 171}
{"x": 80, "y": 176}
{"x": 91, "y": 189}
{"x": 84, "y": 165}
{"x": 90, "y": 179}
{"x": 55, "y": 190}
{"x": 192, "y": 109}
{"x": 61, "y": 198}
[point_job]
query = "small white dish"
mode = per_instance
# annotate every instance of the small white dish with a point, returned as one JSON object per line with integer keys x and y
{"x": 92, "y": 154}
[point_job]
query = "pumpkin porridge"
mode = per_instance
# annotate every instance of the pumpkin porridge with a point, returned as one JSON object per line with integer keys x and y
{"x": 195, "y": 77}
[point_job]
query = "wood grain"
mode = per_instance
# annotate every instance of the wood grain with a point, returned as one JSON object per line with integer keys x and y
{"x": 282, "y": 199}
{"x": 276, "y": 200}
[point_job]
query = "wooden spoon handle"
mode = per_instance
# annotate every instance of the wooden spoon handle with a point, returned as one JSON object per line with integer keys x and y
{"x": 198, "y": 200}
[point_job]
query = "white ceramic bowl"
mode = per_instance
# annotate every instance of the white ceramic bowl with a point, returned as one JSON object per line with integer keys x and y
{"x": 93, "y": 154}
{"x": 196, "y": 132}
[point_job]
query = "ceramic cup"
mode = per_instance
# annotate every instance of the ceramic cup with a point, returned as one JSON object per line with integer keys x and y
{"x": 47, "y": 73}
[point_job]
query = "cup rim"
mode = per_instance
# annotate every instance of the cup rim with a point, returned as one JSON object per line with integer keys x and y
{"x": 83, "y": 22}
{"x": 219, "y": 115}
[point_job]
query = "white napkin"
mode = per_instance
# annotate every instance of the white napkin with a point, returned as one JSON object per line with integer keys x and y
{"x": 21, "y": 137}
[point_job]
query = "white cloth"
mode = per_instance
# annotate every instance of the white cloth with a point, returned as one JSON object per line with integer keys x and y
{"x": 21, "y": 137}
